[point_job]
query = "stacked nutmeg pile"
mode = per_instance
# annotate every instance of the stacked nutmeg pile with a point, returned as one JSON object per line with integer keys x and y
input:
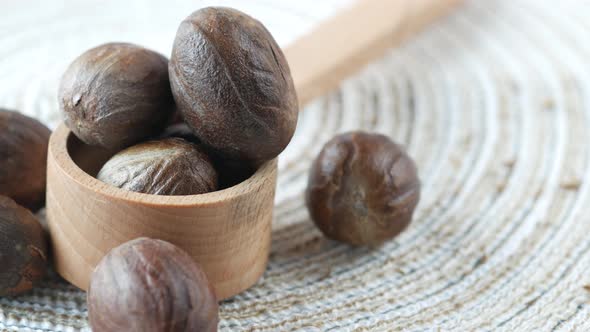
{"x": 228, "y": 95}
{"x": 221, "y": 107}
{"x": 23, "y": 242}
{"x": 227, "y": 79}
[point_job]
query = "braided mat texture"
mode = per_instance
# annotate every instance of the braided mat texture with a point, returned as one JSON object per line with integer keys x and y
{"x": 493, "y": 103}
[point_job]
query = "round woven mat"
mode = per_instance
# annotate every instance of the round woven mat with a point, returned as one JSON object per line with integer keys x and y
{"x": 492, "y": 102}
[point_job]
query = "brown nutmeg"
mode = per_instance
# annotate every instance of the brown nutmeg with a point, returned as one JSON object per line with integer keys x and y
{"x": 150, "y": 285}
{"x": 23, "y": 159}
{"x": 363, "y": 189}
{"x": 23, "y": 249}
{"x": 116, "y": 94}
{"x": 232, "y": 84}
{"x": 170, "y": 166}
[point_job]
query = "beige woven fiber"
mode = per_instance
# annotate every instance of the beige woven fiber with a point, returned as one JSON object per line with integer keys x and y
{"x": 493, "y": 103}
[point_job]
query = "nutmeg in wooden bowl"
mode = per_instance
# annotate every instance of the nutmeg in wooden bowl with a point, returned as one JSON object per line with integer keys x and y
{"x": 227, "y": 231}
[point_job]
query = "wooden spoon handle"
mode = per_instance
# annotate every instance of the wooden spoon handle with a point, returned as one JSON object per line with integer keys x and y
{"x": 340, "y": 46}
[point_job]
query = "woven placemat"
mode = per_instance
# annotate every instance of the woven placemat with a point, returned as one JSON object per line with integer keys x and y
{"x": 493, "y": 102}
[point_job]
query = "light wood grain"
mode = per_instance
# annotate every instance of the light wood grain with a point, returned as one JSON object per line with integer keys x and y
{"x": 342, "y": 45}
{"x": 227, "y": 232}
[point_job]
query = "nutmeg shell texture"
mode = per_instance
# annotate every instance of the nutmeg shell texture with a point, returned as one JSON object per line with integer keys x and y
{"x": 363, "y": 189}
{"x": 23, "y": 159}
{"x": 150, "y": 285}
{"x": 170, "y": 166}
{"x": 23, "y": 249}
{"x": 116, "y": 95}
{"x": 232, "y": 84}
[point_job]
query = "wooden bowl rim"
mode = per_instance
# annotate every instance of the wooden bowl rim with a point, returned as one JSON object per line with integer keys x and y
{"x": 58, "y": 150}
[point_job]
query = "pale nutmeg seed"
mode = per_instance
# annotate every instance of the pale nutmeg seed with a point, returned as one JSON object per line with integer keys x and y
{"x": 23, "y": 159}
{"x": 363, "y": 189}
{"x": 23, "y": 249}
{"x": 170, "y": 166}
{"x": 232, "y": 84}
{"x": 150, "y": 285}
{"x": 116, "y": 95}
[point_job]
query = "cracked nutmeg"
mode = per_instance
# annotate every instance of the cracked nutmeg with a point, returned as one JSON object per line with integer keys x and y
{"x": 169, "y": 166}
{"x": 232, "y": 84}
{"x": 23, "y": 249}
{"x": 23, "y": 159}
{"x": 150, "y": 285}
{"x": 116, "y": 95}
{"x": 363, "y": 189}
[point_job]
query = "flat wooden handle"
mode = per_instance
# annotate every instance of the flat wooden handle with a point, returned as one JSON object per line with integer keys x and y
{"x": 342, "y": 45}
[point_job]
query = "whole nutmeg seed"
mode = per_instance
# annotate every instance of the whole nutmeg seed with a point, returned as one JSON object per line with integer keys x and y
{"x": 116, "y": 95}
{"x": 170, "y": 166}
{"x": 23, "y": 159}
{"x": 150, "y": 285}
{"x": 232, "y": 84}
{"x": 363, "y": 189}
{"x": 23, "y": 249}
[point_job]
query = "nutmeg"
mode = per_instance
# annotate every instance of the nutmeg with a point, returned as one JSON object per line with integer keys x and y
{"x": 150, "y": 285}
{"x": 23, "y": 249}
{"x": 116, "y": 94}
{"x": 363, "y": 189}
{"x": 170, "y": 166}
{"x": 232, "y": 84}
{"x": 23, "y": 159}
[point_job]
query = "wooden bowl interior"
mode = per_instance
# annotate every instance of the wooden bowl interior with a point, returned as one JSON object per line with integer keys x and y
{"x": 89, "y": 158}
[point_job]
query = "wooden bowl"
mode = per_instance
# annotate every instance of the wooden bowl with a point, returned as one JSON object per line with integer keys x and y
{"x": 228, "y": 231}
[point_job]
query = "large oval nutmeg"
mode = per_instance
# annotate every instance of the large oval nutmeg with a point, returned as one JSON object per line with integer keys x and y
{"x": 23, "y": 159}
{"x": 232, "y": 84}
{"x": 169, "y": 166}
{"x": 23, "y": 249}
{"x": 363, "y": 189}
{"x": 116, "y": 94}
{"x": 150, "y": 285}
